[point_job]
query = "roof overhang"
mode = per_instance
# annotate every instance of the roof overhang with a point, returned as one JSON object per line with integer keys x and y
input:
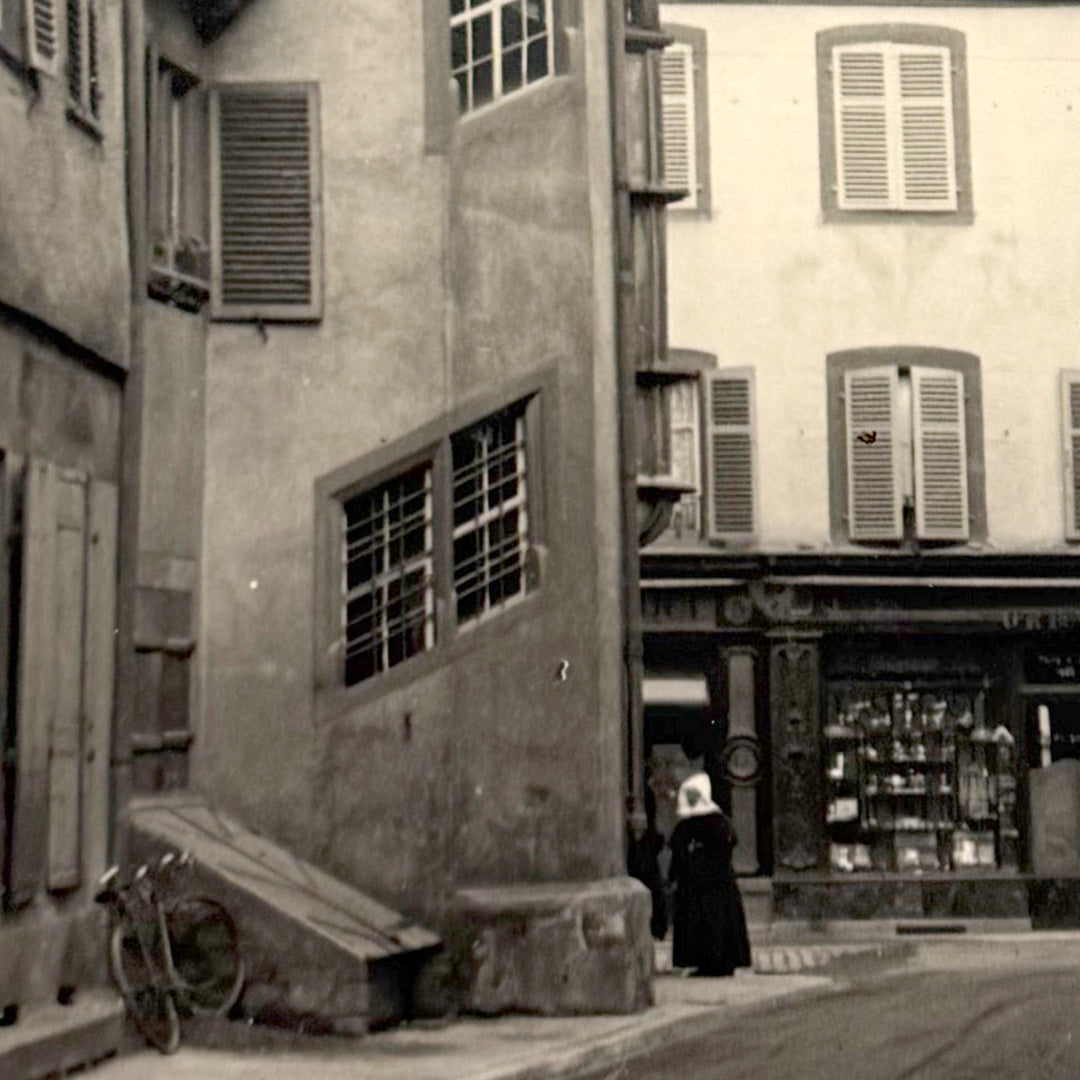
{"x": 212, "y": 16}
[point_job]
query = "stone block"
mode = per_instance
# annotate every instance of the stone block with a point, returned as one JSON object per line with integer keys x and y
{"x": 558, "y": 949}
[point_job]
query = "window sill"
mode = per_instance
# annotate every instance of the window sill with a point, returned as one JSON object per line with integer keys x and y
{"x": 834, "y": 216}
{"x": 337, "y": 700}
{"x": 513, "y": 111}
{"x": 80, "y": 118}
{"x": 181, "y": 290}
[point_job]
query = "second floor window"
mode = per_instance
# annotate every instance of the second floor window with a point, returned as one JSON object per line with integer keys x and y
{"x": 893, "y": 123}
{"x": 498, "y": 46}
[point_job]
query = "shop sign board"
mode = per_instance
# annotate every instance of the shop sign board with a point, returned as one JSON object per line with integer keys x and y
{"x": 1040, "y": 619}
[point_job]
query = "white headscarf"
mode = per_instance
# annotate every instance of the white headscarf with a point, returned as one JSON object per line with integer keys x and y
{"x": 695, "y": 797}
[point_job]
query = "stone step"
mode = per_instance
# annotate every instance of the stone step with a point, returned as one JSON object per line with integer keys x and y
{"x": 55, "y": 1041}
{"x": 794, "y": 959}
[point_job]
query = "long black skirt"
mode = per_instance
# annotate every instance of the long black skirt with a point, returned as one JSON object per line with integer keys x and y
{"x": 710, "y": 929}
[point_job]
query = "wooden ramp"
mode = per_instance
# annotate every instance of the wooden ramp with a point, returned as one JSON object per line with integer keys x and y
{"x": 311, "y": 943}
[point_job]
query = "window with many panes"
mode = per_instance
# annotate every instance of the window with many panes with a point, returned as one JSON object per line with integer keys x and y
{"x": 498, "y": 47}
{"x": 443, "y": 542}
{"x": 893, "y": 123}
{"x": 387, "y": 574}
{"x": 491, "y": 517}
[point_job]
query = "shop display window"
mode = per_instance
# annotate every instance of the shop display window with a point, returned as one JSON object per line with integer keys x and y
{"x": 917, "y": 781}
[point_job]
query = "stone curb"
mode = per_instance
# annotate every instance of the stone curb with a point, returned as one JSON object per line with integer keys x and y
{"x": 610, "y": 1051}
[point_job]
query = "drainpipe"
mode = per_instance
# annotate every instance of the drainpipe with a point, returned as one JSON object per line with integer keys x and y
{"x": 626, "y": 358}
{"x": 134, "y": 45}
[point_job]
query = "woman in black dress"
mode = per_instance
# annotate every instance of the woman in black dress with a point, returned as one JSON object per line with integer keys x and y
{"x": 710, "y": 926}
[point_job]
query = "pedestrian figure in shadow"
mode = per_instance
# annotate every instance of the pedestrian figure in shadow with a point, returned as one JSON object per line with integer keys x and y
{"x": 710, "y": 925}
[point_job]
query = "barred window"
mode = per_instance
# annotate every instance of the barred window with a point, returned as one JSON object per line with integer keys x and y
{"x": 388, "y": 613}
{"x": 490, "y": 513}
{"x": 497, "y": 47}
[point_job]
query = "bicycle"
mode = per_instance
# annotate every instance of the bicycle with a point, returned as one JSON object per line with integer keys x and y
{"x": 169, "y": 954}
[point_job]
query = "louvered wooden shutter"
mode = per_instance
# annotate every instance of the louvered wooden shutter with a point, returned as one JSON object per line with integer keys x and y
{"x": 941, "y": 489}
{"x": 875, "y": 501}
{"x": 42, "y": 49}
{"x": 267, "y": 228}
{"x": 678, "y": 122}
{"x": 1070, "y": 402}
{"x": 730, "y": 454}
{"x": 927, "y": 145}
{"x": 75, "y": 50}
{"x": 864, "y": 169}
{"x": 93, "y": 80}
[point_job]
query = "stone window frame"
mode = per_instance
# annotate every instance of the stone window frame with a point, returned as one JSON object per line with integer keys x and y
{"x": 441, "y": 109}
{"x": 898, "y": 34}
{"x": 968, "y": 365}
{"x": 431, "y": 446}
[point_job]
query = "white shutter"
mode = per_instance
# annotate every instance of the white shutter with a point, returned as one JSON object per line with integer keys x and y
{"x": 266, "y": 202}
{"x": 941, "y": 490}
{"x": 730, "y": 456}
{"x": 678, "y": 122}
{"x": 1070, "y": 405}
{"x": 874, "y": 498}
{"x": 43, "y": 52}
{"x": 927, "y": 145}
{"x": 864, "y": 164}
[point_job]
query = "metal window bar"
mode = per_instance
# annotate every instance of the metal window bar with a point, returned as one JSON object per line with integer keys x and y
{"x": 535, "y": 12}
{"x": 401, "y": 590}
{"x": 480, "y": 577}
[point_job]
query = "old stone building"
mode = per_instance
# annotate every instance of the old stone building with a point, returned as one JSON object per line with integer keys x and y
{"x": 864, "y": 619}
{"x": 370, "y": 298}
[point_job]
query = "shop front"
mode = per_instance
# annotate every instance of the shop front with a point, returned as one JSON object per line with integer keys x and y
{"x": 892, "y": 746}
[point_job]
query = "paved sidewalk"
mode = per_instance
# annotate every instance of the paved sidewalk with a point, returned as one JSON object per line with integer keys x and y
{"x": 507, "y": 1048}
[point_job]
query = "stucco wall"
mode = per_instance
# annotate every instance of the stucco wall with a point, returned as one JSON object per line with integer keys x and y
{"x": 63, "y": 230}
{"x": 487, "y": 767}
{"x": 765, "y": 283}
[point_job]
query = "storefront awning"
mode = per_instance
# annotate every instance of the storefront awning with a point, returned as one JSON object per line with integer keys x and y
{"x": 684, "y": 691}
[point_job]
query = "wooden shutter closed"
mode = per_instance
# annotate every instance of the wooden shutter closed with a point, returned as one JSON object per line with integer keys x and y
{"x": 875, "y": 501}
{"x": 66, "y": 727}
{"x": 678, "y": 122}
{"x": 41, "y": 36}
{"x": 99, "y": 672}
{"x": 35, "y": 684}
{"x": 863, "y": 161}
{"x": 938, "y": 431}
{"x": 927, "y": 147}
{"x": 1070, "y": 403}
{"x": 266, "y": 200}
{"x": 730, "y": 454}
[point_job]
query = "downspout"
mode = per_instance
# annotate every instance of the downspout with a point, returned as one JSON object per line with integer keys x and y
{"x": 626, "y": 359}
{"x": 134, "y": 43}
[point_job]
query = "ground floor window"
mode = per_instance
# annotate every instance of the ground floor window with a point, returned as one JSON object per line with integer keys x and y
{"x": 388, "y": 581}
{"x": 917, "y": 779}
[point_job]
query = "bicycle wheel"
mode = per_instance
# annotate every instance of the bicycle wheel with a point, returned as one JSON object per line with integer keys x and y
{"x": 150, "y": 1004}
{"x": 206, "y": 954}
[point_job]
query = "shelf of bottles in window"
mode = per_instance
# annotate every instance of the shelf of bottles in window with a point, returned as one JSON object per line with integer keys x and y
{"x": 917, "y": 781}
